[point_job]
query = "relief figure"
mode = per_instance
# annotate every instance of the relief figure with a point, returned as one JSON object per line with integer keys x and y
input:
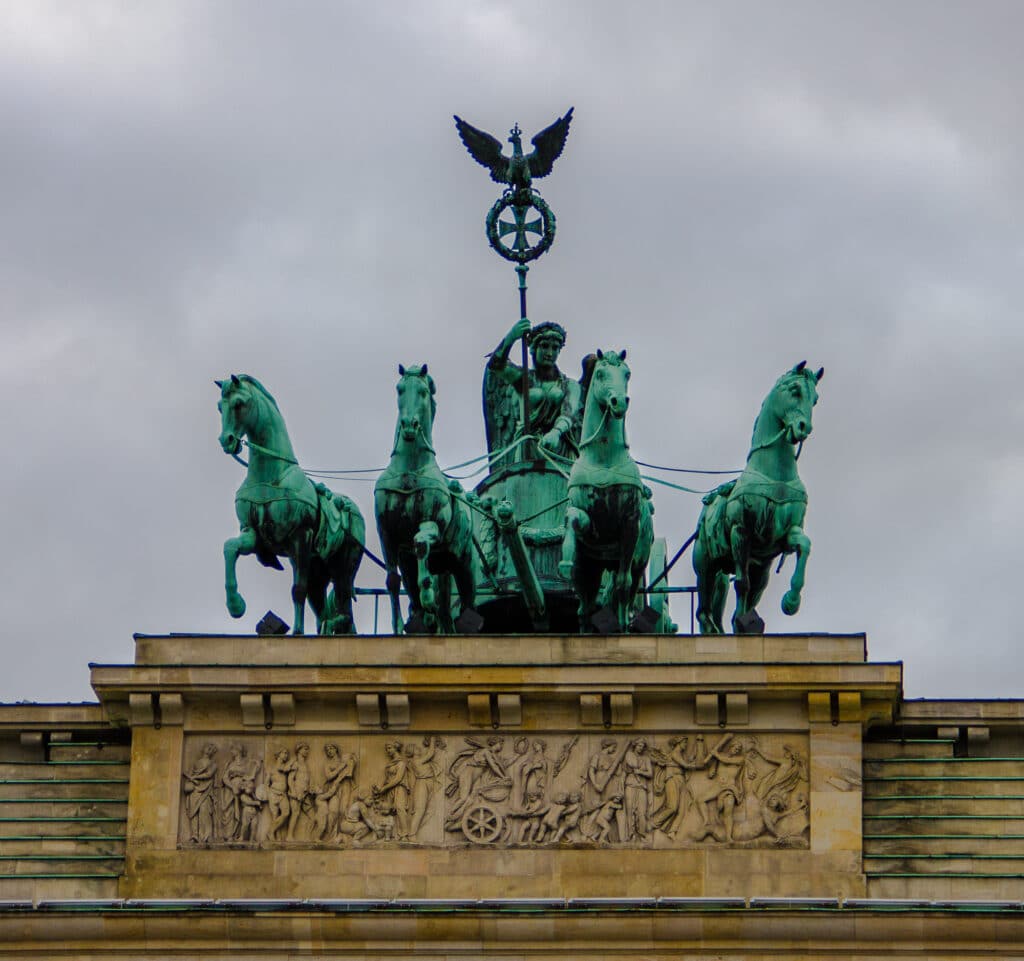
{"x": 200, "y": 804}
{"x": 604, "y": 793}
{"x": 240, "y": 771}
{"x": 392, "y": 795}
{"x": 639, "y": 771}
{"x": 332, "y": 798}
{"x": 277, "y": 793}
{"x": 425, "y": 774}
{"x": 299, "y": 795}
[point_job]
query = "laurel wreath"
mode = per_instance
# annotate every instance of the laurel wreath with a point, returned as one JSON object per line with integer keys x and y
{"x": 547, "y": 219}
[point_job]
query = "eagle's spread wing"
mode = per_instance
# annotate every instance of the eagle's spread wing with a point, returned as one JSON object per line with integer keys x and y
{"x": 548, "y": 146}
{"x": 485, "y": 149}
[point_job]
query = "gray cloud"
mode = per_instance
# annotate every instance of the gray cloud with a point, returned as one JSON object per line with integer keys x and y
{"x": 191, "y": 189}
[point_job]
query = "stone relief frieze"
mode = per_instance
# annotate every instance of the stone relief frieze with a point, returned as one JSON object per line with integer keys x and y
{"x": 472, "y": 790}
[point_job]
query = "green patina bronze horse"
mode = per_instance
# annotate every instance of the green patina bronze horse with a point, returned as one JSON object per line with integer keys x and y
{"x": 748, "y": 522}
{"x": 282, "y": 513}
{"x": 608, "y": 522}
{"x": 425, "y": 528}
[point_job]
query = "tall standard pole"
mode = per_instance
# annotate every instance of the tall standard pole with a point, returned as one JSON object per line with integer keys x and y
{"x": 521, "y": 270}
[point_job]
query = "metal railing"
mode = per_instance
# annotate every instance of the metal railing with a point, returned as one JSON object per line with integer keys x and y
{"x": 379, "y": 593}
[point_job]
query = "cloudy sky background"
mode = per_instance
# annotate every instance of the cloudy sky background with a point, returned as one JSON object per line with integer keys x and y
{"x": 194, "y": 189}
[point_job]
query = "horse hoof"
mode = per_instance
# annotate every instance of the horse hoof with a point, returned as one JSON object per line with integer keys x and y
{"x": 236, "y": 606}
{"x": 790, "y": 603}
{"x": 565, "y": 570}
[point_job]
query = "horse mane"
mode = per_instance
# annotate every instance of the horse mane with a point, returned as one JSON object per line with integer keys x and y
{"x": 589, "y": 363}
{"x": 249, "y": 379}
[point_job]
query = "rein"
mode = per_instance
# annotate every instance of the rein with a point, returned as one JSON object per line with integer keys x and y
{"x": 597, "y": 432}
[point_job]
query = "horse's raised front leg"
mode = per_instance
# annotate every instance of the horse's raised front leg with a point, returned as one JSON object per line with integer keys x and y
{"x": 798, "y": 541}
{"x": 426, "y": 538}
{"x": 300, "y": 579}
{"x": 245, "y": 543}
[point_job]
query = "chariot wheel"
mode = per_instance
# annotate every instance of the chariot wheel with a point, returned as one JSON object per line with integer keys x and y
{"x": 481, "y": 823}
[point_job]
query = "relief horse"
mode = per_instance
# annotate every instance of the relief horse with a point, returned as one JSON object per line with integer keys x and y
{"x": 425, "y": 528}
{"x": 282, "y": 513}
{"x": 747, "y": 523}
{"x": 608, "y": 522}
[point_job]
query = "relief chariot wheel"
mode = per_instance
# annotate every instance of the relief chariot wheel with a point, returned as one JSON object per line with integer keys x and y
{"x": 522, "y": 204}
{"x": 481, "y": 823}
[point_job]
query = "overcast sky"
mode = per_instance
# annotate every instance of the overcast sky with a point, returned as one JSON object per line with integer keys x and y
{"x": 194, "y": 189}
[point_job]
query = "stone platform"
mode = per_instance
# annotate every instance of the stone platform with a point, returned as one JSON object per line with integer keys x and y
{"x": 496, "y": 767}
{"x": 538, "y": 796}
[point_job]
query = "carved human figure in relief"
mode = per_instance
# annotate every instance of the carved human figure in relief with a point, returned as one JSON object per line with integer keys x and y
{"x": 424, "y": 774}
{"x": 277, "y": 792}
{"x": 670, "y": 781}
{"x": 554, "y": 397}
{"x": 392, "y": 794}
{"x": 199, "y": 788}
{"x": 331, "y": 799}
{"x": 249, "y": 806}
{"x": 240, "y": 769}
{"x": 472, "y": 770}
{"x": 639, "y": 771}
{"x": 604, "y": 793}
{"x": 516, "y": 770}
{"x": 360, "y": 820}
{"x": 299, "y": 780}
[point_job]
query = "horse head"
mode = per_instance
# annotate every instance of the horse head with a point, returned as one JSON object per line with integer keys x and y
{"x": 608, "y": 385}
{"x": 242, "y": 405}
{"x": 791, "y": 402}
{"x": 237, "y": 412}
{"x": 416, "y": 406}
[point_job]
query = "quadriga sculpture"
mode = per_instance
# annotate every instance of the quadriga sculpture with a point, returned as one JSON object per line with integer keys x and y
{"x": 425, "y": 529}
{"x": 282, "y": 513}
{"x": 748, "y": 522}
{"x": 608, "y": 522}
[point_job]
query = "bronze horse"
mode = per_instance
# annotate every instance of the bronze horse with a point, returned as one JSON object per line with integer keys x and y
{"x": 282, "y": 513}
{"x": 608, "y": 525}
{"x": 748, "y": 522}
{"x": 425, "y": 527}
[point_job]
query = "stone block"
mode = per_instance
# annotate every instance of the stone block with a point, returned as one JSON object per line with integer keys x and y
{"x": 368, "y": 710}
{"x": 282, "y": 710}
{"x": 737, "y": 708}
{"x": 705, "y": 709}
{"x": 172, "y": 709}
{"x": 140, "y": 709}
{"x": 510, "y": 710}
{"x": 849, "y": 706}
{"x": 479, "y": 706}
{"x": 398, "y": 709}
{"x": 621, "y": 708}
{"x": 819, "y": 707}
{"x": 591, "y": 711}
{"x": 252, "y": 710}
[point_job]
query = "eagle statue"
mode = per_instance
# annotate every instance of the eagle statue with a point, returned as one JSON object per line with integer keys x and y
{"x": 518, "y": 170}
